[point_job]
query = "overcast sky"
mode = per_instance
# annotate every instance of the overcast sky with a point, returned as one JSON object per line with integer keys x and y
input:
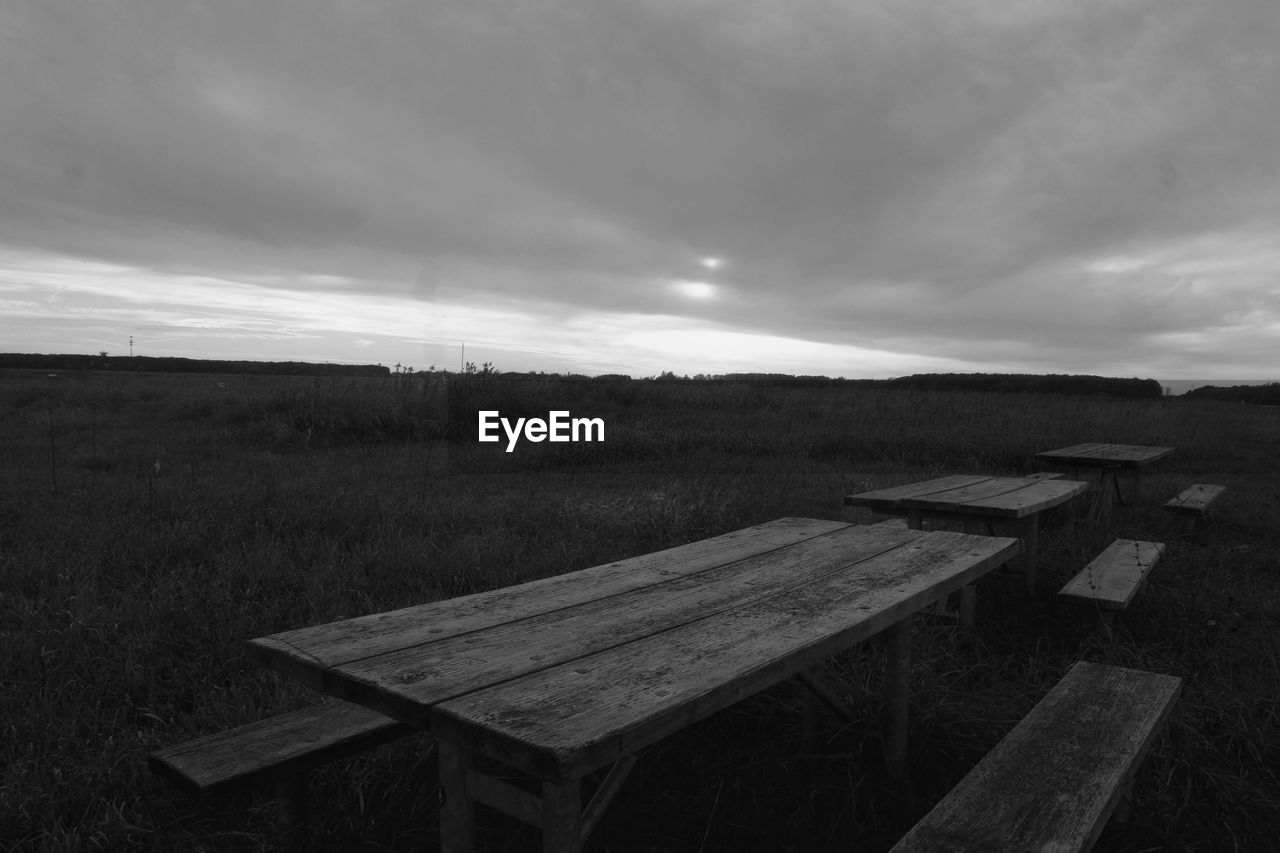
{"x": 626, "y": 186}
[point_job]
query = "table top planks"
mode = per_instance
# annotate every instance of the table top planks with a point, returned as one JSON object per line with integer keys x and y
{"x": 1011, "y": 497}
{"x": 1094, "y": 454}
{"x": 456, "y": 665}
{"x": 583, "y": 714}
{"x": 306, "y": 653}
{"x": 562, "y": 678}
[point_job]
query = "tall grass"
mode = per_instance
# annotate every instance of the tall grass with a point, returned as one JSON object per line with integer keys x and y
{"x": 192, "y": 513}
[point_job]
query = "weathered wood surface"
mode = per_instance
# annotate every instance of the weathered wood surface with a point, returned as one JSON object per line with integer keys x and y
{"x": 275, "y": 748}
{"x": 1196, "y": 499}
{"x": 1045, "y": 475}
{"x": 892, "y": 497}
{"x": 563, "y": 721}
{"x": 306, "y": 653}
{"x": 1005, "y": 497}
{"x": 407, "y": 682}
{"x": 1053, "y": 782}
{"x": 1111, "y": 579}
{"x": 1106, "y": 455}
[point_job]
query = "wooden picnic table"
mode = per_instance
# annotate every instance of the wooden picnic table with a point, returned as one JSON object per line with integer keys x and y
{"x": 1110, "y": 459}
{"x": 982, "y": 504}
{"x": 565, "y": 675}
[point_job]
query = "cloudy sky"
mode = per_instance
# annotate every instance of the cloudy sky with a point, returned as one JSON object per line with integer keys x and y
{"x": 867, "y": 188}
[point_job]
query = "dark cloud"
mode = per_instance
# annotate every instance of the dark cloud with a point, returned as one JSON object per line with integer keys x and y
{"x": 955, "y": 180}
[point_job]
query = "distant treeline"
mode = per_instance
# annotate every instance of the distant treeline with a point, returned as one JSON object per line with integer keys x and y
{"x": 1009, "y": 383}
{"x": 1266, "y": 395}
{"x": 1019, "y": 383}
{"x": 154, "y": 364}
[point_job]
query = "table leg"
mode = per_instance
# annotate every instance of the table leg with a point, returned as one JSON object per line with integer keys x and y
{"x": 1030, "y": 550}
{"x": 1101, "y": 510}
{"x": 968, "y": 604}
{"x": 897, "y": 690}
{"x": 562, "y": 817}
{"x": 458, "y": 811}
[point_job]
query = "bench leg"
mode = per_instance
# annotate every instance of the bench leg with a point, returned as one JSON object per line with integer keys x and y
{"x": 458, "y": 810}
{"x": 1121, "y": 813}
{"x": 294, "y": 812}
{"x": 808, "y": 711}
{"x": 897, "y": 695}
{"x": 1107, "y": 620}
{"x": 968, "y": 604}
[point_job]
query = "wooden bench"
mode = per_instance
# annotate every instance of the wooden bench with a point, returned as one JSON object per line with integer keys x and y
{"x": 1113, "y": 578}
{"x": 1045, "y": 475}
{"x": 1195, "y": 501}
{"x": 1055, "y": 780}
{"x": 279, "y": 749}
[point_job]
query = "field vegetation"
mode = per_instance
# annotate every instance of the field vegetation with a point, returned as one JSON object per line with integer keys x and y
{"x": 151, "y": 523}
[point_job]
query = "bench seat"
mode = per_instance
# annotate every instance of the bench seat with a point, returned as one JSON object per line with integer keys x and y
{"x": 280, "y": 749}
{"x": 1055, "y": 780}
{"x": 1194, "y": 502}
{"x": 1114, "y": 577}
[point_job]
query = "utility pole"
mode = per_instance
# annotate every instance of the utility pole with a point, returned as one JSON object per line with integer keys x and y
{"x": 462, "y": 362}
{"x": 131, "y": 346}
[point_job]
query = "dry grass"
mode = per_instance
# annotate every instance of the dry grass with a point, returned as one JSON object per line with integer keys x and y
{"x": 150, "y": 524}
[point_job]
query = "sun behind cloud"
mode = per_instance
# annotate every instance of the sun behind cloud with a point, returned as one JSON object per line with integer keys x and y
{"x": 701, "y": 291}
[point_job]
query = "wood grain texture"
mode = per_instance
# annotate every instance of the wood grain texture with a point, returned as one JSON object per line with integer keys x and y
{"x": 1006, "y": 497}
{"x": 892, "y": 497}
{"x": 306, "y": 653}
{"x": 1196, "y": 499}
{"x": 406, "y": 682}
{"x": 1113, "y": 578}
{"x": 564, "y": 721}
{"x": 274, "y": 748}
{"x": 1053, "y": 782}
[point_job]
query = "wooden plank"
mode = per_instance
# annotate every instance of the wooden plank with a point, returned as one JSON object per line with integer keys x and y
{"x": 1113, "y": 577}
{"x": 1196, "y": 499}
{"x": 305, "y": 653}
{"x": 564, "y": 721}
{"x": 275, "y": 748}
{"x": 1045, "y": 475}
{"x": 1053, "y": 782}
{"x": 1007, "y": 497}
{"x": 1075, "y": 451}
{"x": 423, "y": 675}
{"x": 1134, "y": 454}
{"x": 893, "y": 496}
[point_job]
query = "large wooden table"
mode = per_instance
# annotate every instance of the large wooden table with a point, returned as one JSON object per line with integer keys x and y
{"x": 566, "y": 675}
{"x": 981, "y": 504}
{"x": 1110, "y": 459}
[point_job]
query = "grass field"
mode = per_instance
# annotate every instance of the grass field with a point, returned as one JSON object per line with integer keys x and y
{"x": 150, "y": 524}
